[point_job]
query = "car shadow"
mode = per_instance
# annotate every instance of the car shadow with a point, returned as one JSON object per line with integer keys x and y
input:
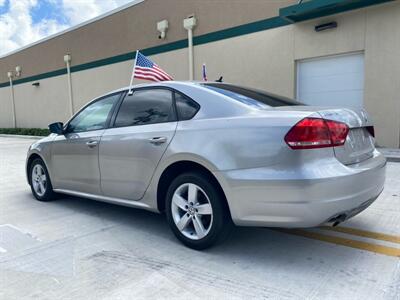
{"x": 249, "y": 244}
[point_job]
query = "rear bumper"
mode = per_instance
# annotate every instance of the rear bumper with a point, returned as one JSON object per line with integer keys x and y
{"x": 308, "y": 196}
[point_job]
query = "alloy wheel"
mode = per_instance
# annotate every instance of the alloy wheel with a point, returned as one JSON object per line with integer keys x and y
{"x": 39, "y": 180}
{"x": 192, "y": 211}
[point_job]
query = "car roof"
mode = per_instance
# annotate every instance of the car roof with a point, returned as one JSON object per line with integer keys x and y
{"x": 213, "y": 103}
{"x": 208, "y": 99}
{"x": 171, "y": 84}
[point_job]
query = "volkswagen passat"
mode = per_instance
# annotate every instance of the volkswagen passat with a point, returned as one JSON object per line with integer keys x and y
{"x": 211, "y": 155}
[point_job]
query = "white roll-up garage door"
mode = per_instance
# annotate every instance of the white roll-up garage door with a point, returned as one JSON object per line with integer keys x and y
{"x": 331, "y": 81}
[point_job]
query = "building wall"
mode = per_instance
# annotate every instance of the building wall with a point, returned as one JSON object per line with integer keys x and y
{"x": 135, "y": 28}
{"x": 382, "y": 74}
{"x": 36, "y": 107}
{"x": 5, "y": 108}
{"x": 265, "y": 59}
{"x": 375, "y": 31}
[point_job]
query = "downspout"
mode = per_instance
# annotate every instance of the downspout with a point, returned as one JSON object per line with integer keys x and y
{"x": 189, "y": 23}
{"x": 67, "y": 60}
{"x": 10, "y": 77}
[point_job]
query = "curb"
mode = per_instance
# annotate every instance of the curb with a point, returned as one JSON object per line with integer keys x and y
{"x": 393, "y": 159}
{"x": 391, "y": 154}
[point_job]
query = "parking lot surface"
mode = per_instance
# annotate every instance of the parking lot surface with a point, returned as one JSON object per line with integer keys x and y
{"x": 81, "y": 249}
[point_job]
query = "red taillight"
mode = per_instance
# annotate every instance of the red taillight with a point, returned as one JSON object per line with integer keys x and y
{"x": 338, "y": 132}
{"x": 312, "y": 133}
{"x": 371, "y": 130}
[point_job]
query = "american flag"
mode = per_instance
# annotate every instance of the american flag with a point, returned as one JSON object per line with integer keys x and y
{"x": 146, "y": 69}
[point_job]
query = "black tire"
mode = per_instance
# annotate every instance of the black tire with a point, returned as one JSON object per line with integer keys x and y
{"x": 49, "y": 194}
{"x": 221, "y": 224}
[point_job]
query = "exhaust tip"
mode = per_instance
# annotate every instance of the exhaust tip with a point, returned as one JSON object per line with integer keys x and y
{"x": 337, "y": 220}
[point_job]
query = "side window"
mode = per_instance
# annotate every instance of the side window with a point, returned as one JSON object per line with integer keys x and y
{"x": 93, "y": 117}
{"x": 145, "y": 107}
{"x": 186, "y": 107}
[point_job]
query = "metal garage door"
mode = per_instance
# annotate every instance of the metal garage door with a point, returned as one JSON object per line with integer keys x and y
{"x": 331, "y": 81}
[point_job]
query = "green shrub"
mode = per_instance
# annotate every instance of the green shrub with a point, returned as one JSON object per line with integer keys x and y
{"x": 25, "y": 131}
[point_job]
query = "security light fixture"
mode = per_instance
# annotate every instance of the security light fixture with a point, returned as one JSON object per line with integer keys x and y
{"x": 162, "y": 27}
{"x": 190, "y": 22}
{"x": 325, "y": 26}
{"x": 18, "y": 70}
{"x": 67, "y": 58}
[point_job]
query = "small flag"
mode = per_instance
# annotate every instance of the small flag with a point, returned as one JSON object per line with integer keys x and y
{"x": 146, "y": 69}
{"x": 204, "y": 73}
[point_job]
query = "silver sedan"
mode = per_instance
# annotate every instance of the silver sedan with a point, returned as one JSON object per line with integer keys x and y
{"x": 211, "y": 155}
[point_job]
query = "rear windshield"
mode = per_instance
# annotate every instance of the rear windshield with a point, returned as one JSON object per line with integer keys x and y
{"x": 250, "y": 96}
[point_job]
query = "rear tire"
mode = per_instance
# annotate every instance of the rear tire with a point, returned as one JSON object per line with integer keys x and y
{"x": 40, "y": 182}
{"x": 197, "y": 211}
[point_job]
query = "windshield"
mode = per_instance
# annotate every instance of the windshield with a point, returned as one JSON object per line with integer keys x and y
{"x": 249, "y": 96}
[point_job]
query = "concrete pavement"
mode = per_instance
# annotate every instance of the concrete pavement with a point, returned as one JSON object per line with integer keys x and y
{"x": 80, "y": 249}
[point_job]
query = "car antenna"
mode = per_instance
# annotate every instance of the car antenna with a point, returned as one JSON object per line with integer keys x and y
{"x": 219, "y": 79}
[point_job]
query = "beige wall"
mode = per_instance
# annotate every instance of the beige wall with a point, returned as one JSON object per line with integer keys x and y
{"x": 135, "y": 28}
{"x": 349, "y": 36}
{"x": 6, "y": 119}
{"x": 265, "y": 59}
{"x": 39, "y": 106}
{"x": 92, "y": 83}
{"x": 376, "y": 32}
{"x": 382, "y": 71}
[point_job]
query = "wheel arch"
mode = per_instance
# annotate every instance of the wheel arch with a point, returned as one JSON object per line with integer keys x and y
{"x": 180, "y": 167}
{"x": 31, "y": 158}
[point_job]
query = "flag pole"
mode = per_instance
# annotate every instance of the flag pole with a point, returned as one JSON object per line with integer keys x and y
{"x": 133, "y": 73}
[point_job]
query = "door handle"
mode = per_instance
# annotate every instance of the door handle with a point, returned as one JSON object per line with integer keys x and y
{"x": 158, "y": 140}
{"x": 92, "y": 144}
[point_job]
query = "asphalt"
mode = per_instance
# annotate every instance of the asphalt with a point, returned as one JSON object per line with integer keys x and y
{"x": 81, "y": 249}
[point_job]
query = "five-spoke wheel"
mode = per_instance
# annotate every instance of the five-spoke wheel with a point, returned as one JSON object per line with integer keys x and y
{"x": 40, "y": 182}
{"x": 192, "y": 211}
{"x": 196, "y": 210}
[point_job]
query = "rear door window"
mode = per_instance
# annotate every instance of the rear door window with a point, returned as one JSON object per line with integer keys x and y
{"x": 146, "y": 106}
{"x": 186, "y": 107}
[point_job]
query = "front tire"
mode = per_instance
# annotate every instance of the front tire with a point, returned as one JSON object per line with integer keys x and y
{"x": 40, "y": 182}
{"x": 196, "y": 211}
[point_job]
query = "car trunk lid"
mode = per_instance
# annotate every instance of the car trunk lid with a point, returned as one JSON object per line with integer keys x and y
{"x": 359, "y": 144}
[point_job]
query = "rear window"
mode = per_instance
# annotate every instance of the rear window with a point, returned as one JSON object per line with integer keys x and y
{"x": 249, "y": 96}
{"x": 186, "y": 107}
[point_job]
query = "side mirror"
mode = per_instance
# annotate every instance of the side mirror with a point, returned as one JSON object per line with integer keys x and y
{"x": 56, "y": 128}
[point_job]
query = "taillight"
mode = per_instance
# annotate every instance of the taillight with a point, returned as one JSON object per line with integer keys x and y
{"x": 338, "y": 132}
{"x": 312, "y": 133}
{"x": 371, "y": 130}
